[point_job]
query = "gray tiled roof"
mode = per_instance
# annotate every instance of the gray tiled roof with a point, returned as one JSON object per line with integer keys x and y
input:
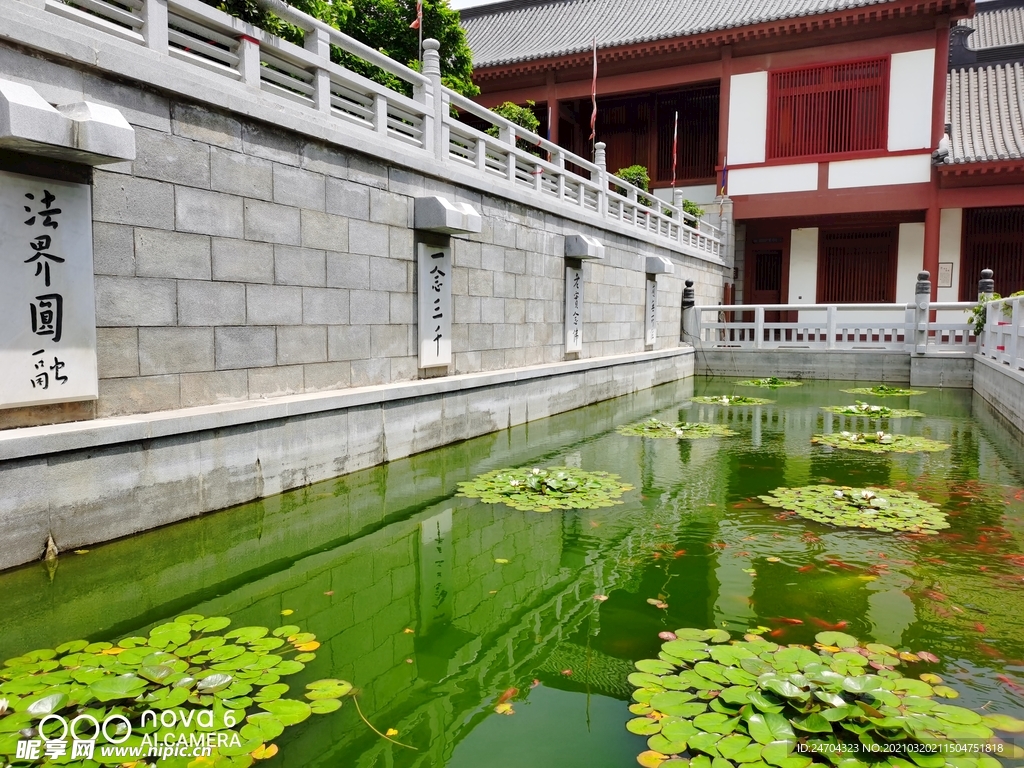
{"x": 985, "y": 106}
{"x": 1003, "y": 26}
{"x": 521, "y": 30}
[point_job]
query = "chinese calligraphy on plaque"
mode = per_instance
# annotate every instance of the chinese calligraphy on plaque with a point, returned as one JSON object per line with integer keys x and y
{"x": 47, "y": 312}
{"x": 651, "y": 313}
{"x": 573, "y": 308}
{"x": 434, "y": 296}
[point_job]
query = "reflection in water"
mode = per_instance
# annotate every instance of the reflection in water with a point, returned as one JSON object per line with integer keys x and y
{"x": 367, "y": 557}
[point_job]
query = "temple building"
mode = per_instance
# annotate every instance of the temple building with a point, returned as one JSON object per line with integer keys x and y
{"x": 859, "y": 140}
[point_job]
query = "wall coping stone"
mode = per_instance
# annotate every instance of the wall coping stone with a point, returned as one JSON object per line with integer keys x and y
{"x": 27, "y": 23}
{"x": 29, "y": 442}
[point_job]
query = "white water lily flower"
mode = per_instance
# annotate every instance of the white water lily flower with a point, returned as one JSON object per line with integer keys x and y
{"x": 513, "y": 483}
{"x": 867, "y": 495}
{"x": 837, "y": 494}
{"x": 536, "y": 471}
{"x": 725, "y": 401}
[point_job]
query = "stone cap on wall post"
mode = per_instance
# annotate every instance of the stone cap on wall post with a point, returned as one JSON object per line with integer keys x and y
{"x": 83, "y": 132}
{"x": 436, "y": 214}
{"x": 583, "y": 247}
{"x": 659, "y": 265}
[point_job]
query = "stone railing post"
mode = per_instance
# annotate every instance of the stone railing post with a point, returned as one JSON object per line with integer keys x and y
{"x": 249, "y": 60}
{"x": 154, "y": 24}
{"x": 602, "y": 178}
{"x": 922, "y": 299}
{"x": 318, "y": 42}
{"x": 432, "y": 69}
{"x": 688, "y": 316}
{"x": 986, "y": 290}
{"x": 759, "y": 328}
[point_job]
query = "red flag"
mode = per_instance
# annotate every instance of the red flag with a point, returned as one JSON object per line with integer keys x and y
{"x": 593, "y": 97}
{"x": 675, "y": 147}
{"x": 418, "y": 23}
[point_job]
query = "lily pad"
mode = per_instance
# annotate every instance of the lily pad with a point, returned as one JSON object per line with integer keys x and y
{"x": 676, "y": 430}
{"x": 881, "y": 509}
{"x": 798, "y": 704}
{"x": 883, "y": 390}
{"x": 770, "y": 382}
{"x": 872, "y": 411}
{"x": 880, "y": 442}
{"x": 543, "y": 490}
{"x": 729, "y": 400}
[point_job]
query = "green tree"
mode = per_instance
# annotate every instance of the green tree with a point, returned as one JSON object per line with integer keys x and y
{"x": 382, "y": 25}
{"x": 521, "y": 116}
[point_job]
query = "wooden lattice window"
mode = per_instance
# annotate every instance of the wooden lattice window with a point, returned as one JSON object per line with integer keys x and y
{"x": 698, "y": 132}
{"x": 857, "y": 265}
{"x": 828, "y": 109}
{"x": 993, "y": 239}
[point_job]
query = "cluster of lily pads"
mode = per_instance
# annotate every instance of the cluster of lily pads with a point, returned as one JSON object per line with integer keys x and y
{"x": 880, "y": 442}
{"x": 675, "y": 430}
{"x": 883, "y": 390}
{"x": 182, "y": 666}
{"x": 880, "y": 509}
{"x": 542, "y": 490}
{"x": 731, "y": 400}
{"x": 712, "y": 702}
{"x": 770, "y": 382}
{"x": 872, "y": 411}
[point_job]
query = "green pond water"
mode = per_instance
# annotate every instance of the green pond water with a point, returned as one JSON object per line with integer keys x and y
{"x": 362, "y": 558}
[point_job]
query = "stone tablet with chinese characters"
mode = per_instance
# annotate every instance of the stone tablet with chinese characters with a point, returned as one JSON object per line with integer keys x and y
{"x": 434, "y": 297}
{"x": 47, "y": 309}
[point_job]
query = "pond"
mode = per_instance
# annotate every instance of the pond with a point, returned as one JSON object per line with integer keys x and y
{"x": 434, "y": 605}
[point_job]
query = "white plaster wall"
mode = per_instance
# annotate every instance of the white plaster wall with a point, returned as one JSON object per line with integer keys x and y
{"x": 950, "y": 225}
{"x": 878, "y": 171}
{"x": 910, "y": 257}
{"x": 748, "y": 118}
{"x": 803, "y": 270}
{"x": 774, "y": 178}
{"x": 910, "y": 99}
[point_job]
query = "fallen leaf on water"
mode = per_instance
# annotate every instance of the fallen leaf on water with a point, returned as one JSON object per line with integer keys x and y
{"x": 667, "y": 635}
{"x": 264, "y": 752}
{"x": 657, "y": 603}
{"x": 712, "y": 505}
{"x": 504, "y": 709}
{"x": 81, "y": 551}
{"x": 535, "y": 683}
{"x": 493, "y": 592}
{"x": 306, "y": 647}
{"x": 751, "y": 571}
{"x": 501, "y": 561}
{"x": 329, "y": 593}
{"x": 926, "y": 656}
{"x": 287, "y": 612}
{"x": 408, "y": 631}
{"x": 566, "y": 672}
{"x": 774, "y": 559}
{"x": 600, "y": 598}
{"x": 867, "y": 577}
{"x": 391, "y": 732}
{"x": 507, "y": 694}
{"x": 594, "y": 524}
{"x": 111, "y": 651}
{"x": 408, "y": 661}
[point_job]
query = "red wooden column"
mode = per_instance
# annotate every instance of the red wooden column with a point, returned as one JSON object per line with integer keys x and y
{"x": 723, "y": 109}
{"x": 932, "y": 216}
{"x": 552, "y": 99}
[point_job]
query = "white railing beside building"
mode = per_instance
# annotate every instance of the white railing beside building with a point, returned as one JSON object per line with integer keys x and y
{"x": 200, "y": 35}
{"x": 1003, "y": 337}
{"x": 919, "y": 327}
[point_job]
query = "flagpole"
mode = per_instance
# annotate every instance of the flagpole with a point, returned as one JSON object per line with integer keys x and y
{"x": 675, "y": 151}
{"x": 593, "y": 101}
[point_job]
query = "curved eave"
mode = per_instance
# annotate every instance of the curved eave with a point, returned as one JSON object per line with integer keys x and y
{"x": 726, "y": 36}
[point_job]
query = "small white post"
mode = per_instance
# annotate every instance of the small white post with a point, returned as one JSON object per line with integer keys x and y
{"x": 432, "y": 69}
{"x": 481, "y": 155}
{"x": 380, "y": 114}
{"x": 830, "y": 326}
{"x": 922, "y": 298}
{"x": 986, "y": 289}
{"x": 1015, "y": 330}
{"x": 759, "y": 328}
{"x": 154, "y": 24}
{"x": 249, "y": 60}
{"x": 602, "y": 178}
{"x": 318, "y": 42}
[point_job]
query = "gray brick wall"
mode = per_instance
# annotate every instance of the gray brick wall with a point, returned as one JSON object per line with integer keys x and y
{"x": 236, "y": 261}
